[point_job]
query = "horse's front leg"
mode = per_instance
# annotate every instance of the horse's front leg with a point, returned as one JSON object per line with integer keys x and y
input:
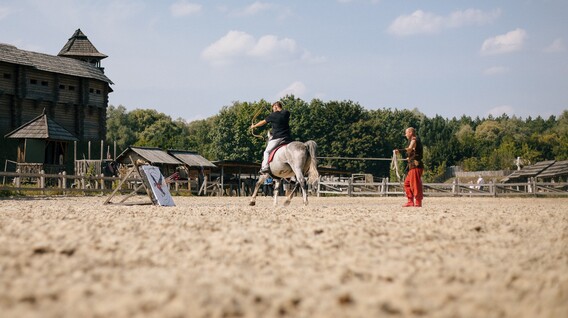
{"x": 256, "y": 187}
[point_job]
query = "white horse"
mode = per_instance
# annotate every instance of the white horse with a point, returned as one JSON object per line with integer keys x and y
{"x": 296, "y": 159}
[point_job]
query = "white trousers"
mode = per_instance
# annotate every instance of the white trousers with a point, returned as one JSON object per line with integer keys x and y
{"x": 272, "y": 143}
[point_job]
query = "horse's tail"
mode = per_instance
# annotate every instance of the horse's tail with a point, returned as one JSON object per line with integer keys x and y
{"x": 313, "y": 174}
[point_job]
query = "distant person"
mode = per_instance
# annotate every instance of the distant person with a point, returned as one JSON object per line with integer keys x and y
{"x": 480, "y": 183}
{"x": 268, "y": 187}
{"x": 280, "y": 121}
{"x": 413, "y": 182}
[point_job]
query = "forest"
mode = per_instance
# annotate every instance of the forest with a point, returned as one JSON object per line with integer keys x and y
{"x": 346, "y": 129}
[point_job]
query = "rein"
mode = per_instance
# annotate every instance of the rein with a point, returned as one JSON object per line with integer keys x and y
{"x": 258, "y": 111}
{"x": 394, "y": 165}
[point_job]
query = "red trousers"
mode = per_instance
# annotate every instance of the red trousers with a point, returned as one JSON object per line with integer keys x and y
{"x": 413, "y": 184}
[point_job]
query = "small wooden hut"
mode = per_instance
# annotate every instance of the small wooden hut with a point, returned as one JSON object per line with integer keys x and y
{"x": 154, "y": 156}
{"x": 43, "y": 145}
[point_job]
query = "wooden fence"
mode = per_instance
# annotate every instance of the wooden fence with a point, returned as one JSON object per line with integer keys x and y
{"x": 385, "y": 188}
{"x": 43, "y": 183}
{"x": 62, "y": 183}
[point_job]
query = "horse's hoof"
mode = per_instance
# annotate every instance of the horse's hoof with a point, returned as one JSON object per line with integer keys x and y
{"x": 286, "y": 203}
{"x": 252, "y": 203}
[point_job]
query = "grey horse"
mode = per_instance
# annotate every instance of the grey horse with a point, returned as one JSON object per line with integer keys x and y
{"x": 296, "y": 159}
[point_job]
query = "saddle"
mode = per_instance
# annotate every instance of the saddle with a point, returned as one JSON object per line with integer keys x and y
{"x": 273, "y": 152}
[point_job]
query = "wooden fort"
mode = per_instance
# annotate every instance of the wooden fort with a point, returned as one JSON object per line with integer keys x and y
{"x": 70, "y": 88}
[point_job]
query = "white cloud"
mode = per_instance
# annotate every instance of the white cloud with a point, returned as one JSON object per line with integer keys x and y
{"x": 421, "y": 22}
{"x": 233, "y": 44}
{"x": 495, "y": 70}
{"x": 556, "y": 46}
{"x": 183, "y": 8}
{"x": 500, "y": 110}
{"x": 298, "y": 89}
{"x": 238, "y": 44}
{"x": 271, "y": 46}
{"x": 255, "y": 8}
{"x": 505, "y": 43}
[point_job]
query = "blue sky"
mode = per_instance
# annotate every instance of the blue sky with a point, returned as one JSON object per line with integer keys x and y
{"x": 189, "y": 58}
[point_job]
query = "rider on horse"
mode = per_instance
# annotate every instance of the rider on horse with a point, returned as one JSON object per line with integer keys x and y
{"x": 280, "y": 120}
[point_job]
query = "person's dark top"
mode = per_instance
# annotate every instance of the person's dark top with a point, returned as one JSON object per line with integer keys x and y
{"x": 280, "y": 124}
{"x": 415, "y": 157}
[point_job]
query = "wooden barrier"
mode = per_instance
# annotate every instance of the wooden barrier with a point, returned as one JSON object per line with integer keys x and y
{"x": 386, "y": 188}
{"x": 61, "y": 183}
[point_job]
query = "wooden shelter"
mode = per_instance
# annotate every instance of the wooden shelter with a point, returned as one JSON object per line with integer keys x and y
{"x": 43, "y": 145}
{"x": 527, "y": 172}
{"x": 558, "y": 171}
{"x": 196, "y": 166}
{"x": 154, "y": 156}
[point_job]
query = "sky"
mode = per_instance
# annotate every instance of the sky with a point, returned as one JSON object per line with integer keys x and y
{"x": 189, "y": 58}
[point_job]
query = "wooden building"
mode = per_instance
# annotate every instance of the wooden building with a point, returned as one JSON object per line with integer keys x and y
{"x": 43, "y": 146}
{"x": 154, "y": 156}
{"x": 71, "y": 87}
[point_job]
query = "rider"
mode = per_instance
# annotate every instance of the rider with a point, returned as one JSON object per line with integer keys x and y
{"x": 280, "y": 120}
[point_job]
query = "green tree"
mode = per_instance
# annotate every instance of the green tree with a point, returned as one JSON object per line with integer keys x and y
{"x": 118, "y": 128}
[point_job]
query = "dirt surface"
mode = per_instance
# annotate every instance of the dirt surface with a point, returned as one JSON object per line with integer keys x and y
{"x": 337, "y": 257}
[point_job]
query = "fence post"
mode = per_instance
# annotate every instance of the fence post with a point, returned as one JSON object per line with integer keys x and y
{"x": 102, "y": 181}
{"x": 455, "y": 189}
{"x": 350, "y": 187}
{"x": 42, "y": 179}
{"x": 17, "y": 179}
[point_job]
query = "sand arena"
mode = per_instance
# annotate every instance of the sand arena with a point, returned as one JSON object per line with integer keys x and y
{"x": 337, "y": 257}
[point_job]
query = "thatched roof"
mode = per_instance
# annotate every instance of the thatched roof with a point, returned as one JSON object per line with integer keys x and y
{"x": 41, "y": 127}
{"x": 50, "y": 63}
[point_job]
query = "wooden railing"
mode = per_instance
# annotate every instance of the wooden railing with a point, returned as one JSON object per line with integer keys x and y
{"x": 385, "y": 188}
{"x": 61, "y": 183}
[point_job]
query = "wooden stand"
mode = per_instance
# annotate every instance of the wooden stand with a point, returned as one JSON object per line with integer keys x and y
{"x": 157, "y": 192}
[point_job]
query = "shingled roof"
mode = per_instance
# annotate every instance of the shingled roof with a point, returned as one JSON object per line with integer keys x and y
{"x": 79, "y": 46}
{"x": 42, "y": 127}
{"x": 559, "y": 168}
{"x": 50, "y": 63}
{"x": 191, "y": 159}
{"x": 529, "y": 171}
{"x": 151, "y": 155}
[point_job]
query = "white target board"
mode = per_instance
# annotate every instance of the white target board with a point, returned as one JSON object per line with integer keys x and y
{"x": 157, "y": 183}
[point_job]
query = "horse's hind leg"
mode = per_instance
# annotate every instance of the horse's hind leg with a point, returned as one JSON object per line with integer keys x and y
{"x": 256, "y": 187}
{"x": 301, "y": 182}
{"x": 276, "y": 190}
{"x": 290, "y": 194}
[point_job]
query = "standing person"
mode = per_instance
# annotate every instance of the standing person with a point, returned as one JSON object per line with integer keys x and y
{"x": 413, "y": 182}
{"x": 280, "y": 120}
{"x": 480, "y": 182}
{"x": 267, "y": 187}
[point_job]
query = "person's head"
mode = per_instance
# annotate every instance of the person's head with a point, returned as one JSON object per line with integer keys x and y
{"x": 409, "y": 132}
{"x": 277, "y": 106}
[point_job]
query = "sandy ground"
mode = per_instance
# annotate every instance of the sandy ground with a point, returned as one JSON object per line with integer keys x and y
{"x": 337, "y": 257}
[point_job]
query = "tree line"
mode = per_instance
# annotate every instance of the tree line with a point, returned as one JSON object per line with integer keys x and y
{"x": 346, "y": 129}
